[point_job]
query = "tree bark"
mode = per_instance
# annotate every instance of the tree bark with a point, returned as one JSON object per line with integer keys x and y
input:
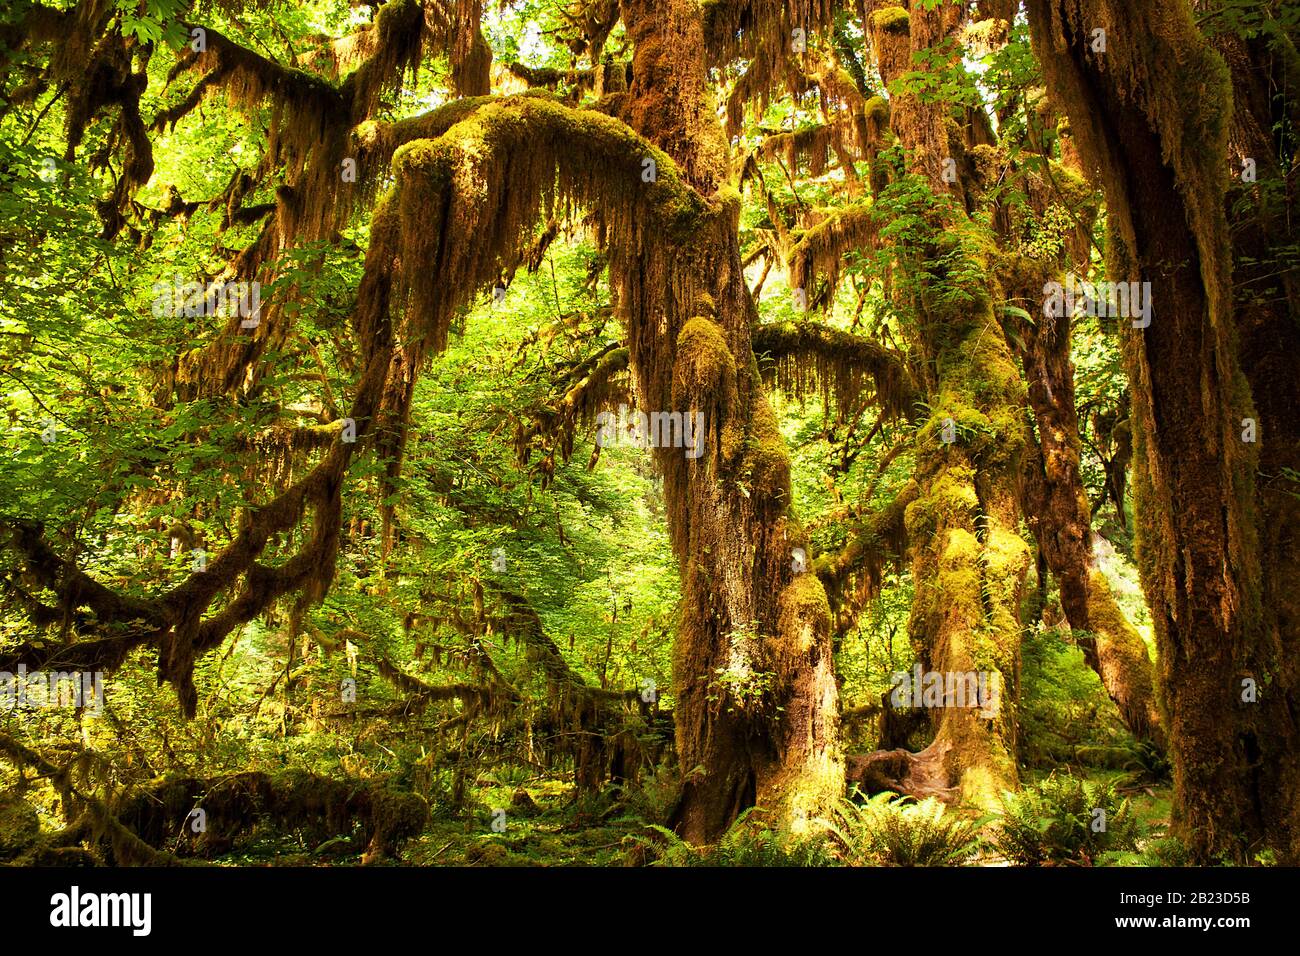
{"x": 969, "y": 562}
{"x": 1262, "y": 218}
{"x": 1151, "y": 114}
{"x": 757, "y": 702}
{"x": 1057, "y": 512}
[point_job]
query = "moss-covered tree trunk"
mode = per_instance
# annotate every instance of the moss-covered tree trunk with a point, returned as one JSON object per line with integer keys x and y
{"x": 969, "y": 562}
{"x": 756, "y": 708}
{"x": 1151, "y": 115}
{"x": 1263, "y": 222}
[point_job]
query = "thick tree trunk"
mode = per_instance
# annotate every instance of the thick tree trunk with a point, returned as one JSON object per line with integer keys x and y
{"x": 969, "y": 562}
{"x": 757, "y": 702}
{"x": 1265, "y": 227}
{"x": 1150, "y": 113}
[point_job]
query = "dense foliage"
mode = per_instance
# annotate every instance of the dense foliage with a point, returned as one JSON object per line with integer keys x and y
{"x": 325, "y": 328}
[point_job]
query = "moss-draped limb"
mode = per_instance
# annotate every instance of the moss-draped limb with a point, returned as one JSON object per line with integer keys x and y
{"x": 475, "y": 697}
{"x": 590, "y": 386}
{"x": 793, "y": 355}
{"x": 235, "y": 803}
{"x": 175, "y": 622}
{"x": 852, "y": 576}
{"x": 818, "y": 251}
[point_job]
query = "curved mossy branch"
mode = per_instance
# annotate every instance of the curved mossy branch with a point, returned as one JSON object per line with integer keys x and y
{"x": 309, "y": 102}
{"x": 794, "y": 354}
{"x": 523, "y": 623}
{"x": 577, "y": 81}
{"x": 496, "y": 167}
{"x": 70, "y": 582}
{"x": 489, "y": 177}
{"x": 852, "y": 576}
{"x": 476, "y": 698}
{"x": 818, "y": 251}
{"x": 312, "y": 117}
{"x": 174, "y": 623}
{"x": 589, "y": 387}
{"x": 374, "y": 141}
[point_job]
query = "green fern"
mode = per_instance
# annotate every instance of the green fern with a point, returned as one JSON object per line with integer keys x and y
{"x": 1065, "y": 820}
{"x": 885, "y": 831}
{"x": 745, "y": 843}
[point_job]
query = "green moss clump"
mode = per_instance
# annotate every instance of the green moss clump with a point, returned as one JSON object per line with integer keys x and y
{"x": 891, "y": 20}
{"x": 1006, "y": 561}
{"x": 1076, "y": 191}
{"x": 704, "y": 360}
{"x": 766, "y": 462}
{"x": 877, "y": 108}
{"x": 804, "y": 610}
{"x": 959, "y": 575}
{"x": 397, "y": 815}
{"x": 1021, "y": 273}
{"x": 949, "y": 500}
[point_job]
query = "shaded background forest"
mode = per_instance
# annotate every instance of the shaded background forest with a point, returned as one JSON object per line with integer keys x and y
{"x": 364, "y": 586}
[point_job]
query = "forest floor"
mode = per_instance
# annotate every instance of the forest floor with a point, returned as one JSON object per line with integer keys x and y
{"x": 552, "y": 828}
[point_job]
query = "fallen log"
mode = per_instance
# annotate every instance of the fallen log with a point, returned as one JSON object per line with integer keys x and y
{"x": 372, "y": 815}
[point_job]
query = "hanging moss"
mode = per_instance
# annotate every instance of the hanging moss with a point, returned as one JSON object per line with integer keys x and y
{"x": 20, "y": 826}
{"x": 803, "y": 356}
{"x": 820, "y": 250}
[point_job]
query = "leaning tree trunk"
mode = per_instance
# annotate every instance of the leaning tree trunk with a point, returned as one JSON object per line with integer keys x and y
{"x": 1059, "y": 516}
{"x": 1151, "y": 115}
